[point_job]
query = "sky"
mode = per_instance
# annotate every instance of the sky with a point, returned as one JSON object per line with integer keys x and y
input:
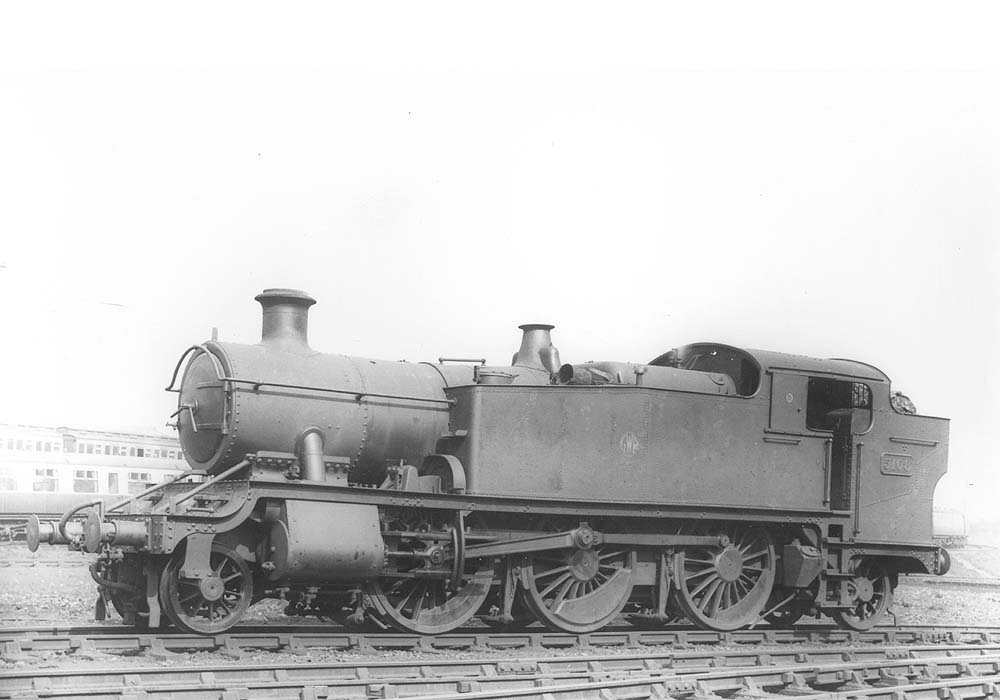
{"x": 821, "y": 180}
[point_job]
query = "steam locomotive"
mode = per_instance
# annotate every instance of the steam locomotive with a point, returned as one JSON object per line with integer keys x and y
{"x": 721, "y": 485}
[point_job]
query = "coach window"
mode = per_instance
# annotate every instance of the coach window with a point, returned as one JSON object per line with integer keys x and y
{"x": 138, "y": 482}
{"x": 828, "y": 395}
{"x": 45, "y": 480}
{"x": 84, "y": 481}
{"x": 7, "y": 481}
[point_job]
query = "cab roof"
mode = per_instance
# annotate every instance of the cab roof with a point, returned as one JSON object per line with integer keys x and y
{"x": 800, "y": 363}
{"x": 767, "y": 360}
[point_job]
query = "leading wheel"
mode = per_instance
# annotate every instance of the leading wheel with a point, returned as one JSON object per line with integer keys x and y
{"x": 725, "y": 586}
{"x": 211, "y": 605}
{"x": 578, "y": 590}
{"x": 129, "y": 602}
{"x": 430, "y": 605}
{"x": 872, "y": 598}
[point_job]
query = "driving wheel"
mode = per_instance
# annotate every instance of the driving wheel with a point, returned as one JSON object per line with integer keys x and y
{"x": 725, "y": 586}
{"x": 431, "y": 605}
{"x": 578, "y": 590}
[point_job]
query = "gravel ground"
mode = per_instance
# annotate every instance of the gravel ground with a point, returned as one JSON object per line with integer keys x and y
{"x": 64, "y": 595}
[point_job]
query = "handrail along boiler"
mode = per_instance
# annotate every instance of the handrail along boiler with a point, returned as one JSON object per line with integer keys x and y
{"x": 721, "y": 485}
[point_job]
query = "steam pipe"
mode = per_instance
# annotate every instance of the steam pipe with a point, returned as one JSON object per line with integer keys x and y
{"x": 311, "y": 455}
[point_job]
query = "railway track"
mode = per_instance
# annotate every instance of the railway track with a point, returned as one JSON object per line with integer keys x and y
{"x": 893, "y": 672}
{"x": 116, "y": 639}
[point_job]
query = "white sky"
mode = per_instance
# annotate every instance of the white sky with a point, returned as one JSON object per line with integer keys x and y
{"x": 813, "y": 179}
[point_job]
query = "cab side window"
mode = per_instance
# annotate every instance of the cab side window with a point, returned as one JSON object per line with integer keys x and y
{"x": 827, "y": 395}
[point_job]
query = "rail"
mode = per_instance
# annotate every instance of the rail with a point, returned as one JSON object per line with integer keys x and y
{"x": 817, "y": 671}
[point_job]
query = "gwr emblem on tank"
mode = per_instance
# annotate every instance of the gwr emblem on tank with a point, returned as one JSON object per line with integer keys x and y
{"x": 629, "y": 443}
{"x": 897, "y": 465}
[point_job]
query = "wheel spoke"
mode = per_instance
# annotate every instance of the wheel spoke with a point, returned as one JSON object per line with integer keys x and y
{"x": 705, "y": 584}
{"x": 728, "y": 599}
{"x": 698, "y": 574}
{"x": 561, "y": 595}
{"x": 550, "y": 572}
{"x": 410, "y": 592}
{"x": 693, "y": 560}
{"x": 419, "y": 604}
{"x": 707, "y": 599}
{"x": 555, "y": 584}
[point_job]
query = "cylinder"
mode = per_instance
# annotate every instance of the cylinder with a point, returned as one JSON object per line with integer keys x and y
{"x": 316, "y": 541}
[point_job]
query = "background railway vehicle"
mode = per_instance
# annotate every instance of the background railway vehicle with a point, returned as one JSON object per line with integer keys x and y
{"x": 45, "y": 470}
{"x": 720, "y": 484}
{"x": 950, "y": 528}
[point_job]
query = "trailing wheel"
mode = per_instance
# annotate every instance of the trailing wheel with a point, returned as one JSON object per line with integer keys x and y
{"x": 211, "y": 605}
{"x": 872, "y": 587}
{"x": 578, "y": 590}
{"x": 726, "y": 586}
{"x": 427, "y": 605}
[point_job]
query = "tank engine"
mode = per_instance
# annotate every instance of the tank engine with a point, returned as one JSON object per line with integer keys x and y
{"x": 722, "y": 485}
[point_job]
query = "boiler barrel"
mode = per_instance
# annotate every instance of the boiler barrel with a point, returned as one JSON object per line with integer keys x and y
{"x": 239, "y": 399}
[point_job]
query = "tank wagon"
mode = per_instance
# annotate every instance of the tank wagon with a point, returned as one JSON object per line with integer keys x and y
{"x": 723, "y": 485}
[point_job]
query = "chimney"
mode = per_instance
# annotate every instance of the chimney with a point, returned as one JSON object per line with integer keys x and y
{"x": 285, "y": 318}
{"x": 537, "y": 350}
